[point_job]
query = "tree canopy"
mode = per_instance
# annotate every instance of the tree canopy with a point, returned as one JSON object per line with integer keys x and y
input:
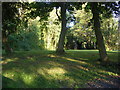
{"x": 42, "y": 21}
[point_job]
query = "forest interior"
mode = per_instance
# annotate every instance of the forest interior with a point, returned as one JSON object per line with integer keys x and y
{"x": 60, "y": 45}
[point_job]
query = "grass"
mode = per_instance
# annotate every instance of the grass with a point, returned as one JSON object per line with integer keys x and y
{"x": 45, "y": 69}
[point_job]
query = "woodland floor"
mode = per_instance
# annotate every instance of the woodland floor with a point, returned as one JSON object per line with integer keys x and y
{"x": 45, "y": 69}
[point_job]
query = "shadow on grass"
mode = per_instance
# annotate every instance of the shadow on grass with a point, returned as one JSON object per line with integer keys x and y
{"x": 9, "y": 83}
{"x": 47, "y": 70}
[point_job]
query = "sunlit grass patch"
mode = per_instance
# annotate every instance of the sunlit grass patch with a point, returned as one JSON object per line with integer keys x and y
{"x": 69, "y": 59}
{"x": 45, "y": 69}
{"x": 107, "y": 73}
{"x": 28, "y": 78}
{"x": 56, "y": 71}
{"x": 52, "y": 73}
{"x": 8, "y": 60}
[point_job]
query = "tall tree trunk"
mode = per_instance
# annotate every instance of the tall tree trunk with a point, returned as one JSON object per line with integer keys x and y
{"x": 99, "y": 37}
{"x": 119, "y": 31}
{"x": 60, "y": 48}
{"x": 1, "y": 41}
{"x": 119, "y": 36}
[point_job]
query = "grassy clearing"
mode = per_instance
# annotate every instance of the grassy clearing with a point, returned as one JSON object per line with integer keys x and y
{"x": 45, "y": 69}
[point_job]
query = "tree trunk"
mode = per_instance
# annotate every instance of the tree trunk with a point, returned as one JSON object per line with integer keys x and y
{"x": 5, "y": 43}
{"x": 60, "y": 48}
{"x": 119, "y": 32}
{"x": 99, "y": 37}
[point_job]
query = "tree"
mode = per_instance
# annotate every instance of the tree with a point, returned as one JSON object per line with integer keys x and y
{"x": 99, "y": 37}
{"x": 17, "y": 14}
{"x": 63, "y": 29}
{"x": 81, "y": 32}
{"x": 109, "y": 28}
{"x": 10, "y": 21}
{"x": 69, "y": 7}
{"x": 106, "y": 10}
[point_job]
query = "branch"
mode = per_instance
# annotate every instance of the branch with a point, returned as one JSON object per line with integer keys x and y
{"x": 57, "y": 14}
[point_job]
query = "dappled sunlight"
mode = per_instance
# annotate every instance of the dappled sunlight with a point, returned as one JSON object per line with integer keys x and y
{"x": 86, "y": 69}
{"x": 69, "y": 59}
{"x": 107, "y": 72}
{"x": 74, "y": 60}
{"x": 28, "y": 78}
{"x": 56, "y": 71}
{"x": 52, "y": 71}
{"x": 8, "y": 60}
{"x": 31, "y": 58}
{"x": 57, "y": 75}
{"x": 53, "y": 56}
{"x": 10, "y": 74}
{"x": 54, "y": 45}
{"x": 41, "y": 71}
{"x": 53, "y": 63}
{"x": 113, "y": 51}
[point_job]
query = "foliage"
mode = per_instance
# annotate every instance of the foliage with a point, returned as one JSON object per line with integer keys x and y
{"x": 53, "y": 31}
{"x": 26, "y": 38}
{"x": 10, "y": 17}
{"x": 37, "y": 35}
{"x": 36, "y": 25}
{"x": 105, "y": 8}
{"x": 16, "y": 16}
{"x": 39, "y": 9}
{"x": 81, "y": 32}
{"x": 110, "y": 33}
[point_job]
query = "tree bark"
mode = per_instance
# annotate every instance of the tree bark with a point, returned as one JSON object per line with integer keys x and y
{"x": 60, "y": 48}
{"x": 98, "y": 33}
